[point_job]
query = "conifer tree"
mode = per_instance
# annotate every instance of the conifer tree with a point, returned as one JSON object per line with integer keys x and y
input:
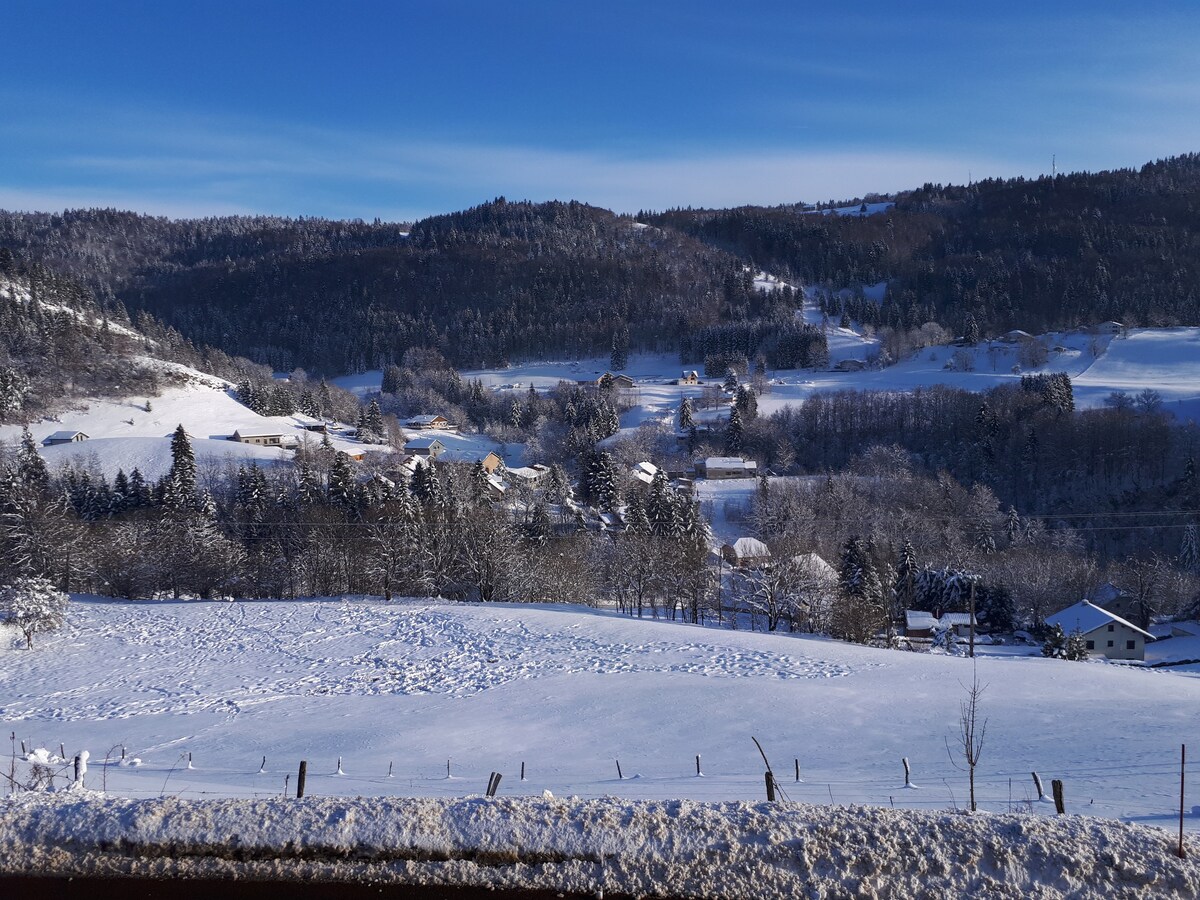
{"x": 686, "y": 420}
{"x": 734, "y": 433}
{"x": 31, "y": 468}
{"x": 182, "y": 475}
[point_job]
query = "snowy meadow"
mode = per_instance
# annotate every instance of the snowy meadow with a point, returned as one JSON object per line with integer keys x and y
{"x": 426, "y": 699}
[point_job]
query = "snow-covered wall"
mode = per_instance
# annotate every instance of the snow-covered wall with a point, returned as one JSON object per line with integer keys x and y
{"x": 673, "y": 848}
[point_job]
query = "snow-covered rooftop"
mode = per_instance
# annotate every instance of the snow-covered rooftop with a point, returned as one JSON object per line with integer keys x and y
{"x": 1087, "y": 617}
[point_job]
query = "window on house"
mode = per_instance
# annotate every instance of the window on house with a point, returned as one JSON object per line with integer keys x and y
{"x": 1110, "y": 626}
{"x": 1129, "y": 645}
{"x": 1091, "y": 645}
{"x": 1110, "y": 643}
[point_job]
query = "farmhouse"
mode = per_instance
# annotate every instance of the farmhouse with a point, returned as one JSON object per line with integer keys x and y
{"x": 425, "y": 446}
{"x": 719, "y": 467}
{"x": 267, "y": 436}
{"x": 746, "y": 552}
{"x": 1110, "y": 327}
{"x": 430, "y": 423}
{"x": 491, "y": 462}
{"x": 64, "y": 437}
{"x": 692, "y": 377}
{"x": 1105, "y": 633}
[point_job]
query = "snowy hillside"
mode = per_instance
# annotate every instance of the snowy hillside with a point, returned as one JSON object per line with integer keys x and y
{"x": 122, "y": 434}
{"x": 411, "y": 687}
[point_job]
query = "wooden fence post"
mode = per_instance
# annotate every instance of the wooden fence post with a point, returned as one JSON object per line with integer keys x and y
{"x": 698, "y": 772}
{"x": 1182, "y": 760}
{"x": 1056, "y": 786}
{"x": 907, "y": 782}
{"x": 300, "y": 777}
{"x": 522, "y": 770}
{"x": 1037, "y": 783}
{"x": 620, "y": 777}
{"x": 770, "y": 786}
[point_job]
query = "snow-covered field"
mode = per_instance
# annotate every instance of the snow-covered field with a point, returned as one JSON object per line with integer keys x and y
{"x": 568, "y": 691}
{"x": 1166, "y": 360}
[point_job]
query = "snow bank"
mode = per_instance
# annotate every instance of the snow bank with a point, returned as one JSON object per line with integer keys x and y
{"x": 674, "y": 848}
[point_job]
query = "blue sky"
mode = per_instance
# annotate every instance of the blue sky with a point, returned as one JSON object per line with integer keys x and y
{"x": 403, "y": 109}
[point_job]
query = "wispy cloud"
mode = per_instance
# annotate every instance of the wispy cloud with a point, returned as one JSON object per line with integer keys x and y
{"x": 184, "y": 166}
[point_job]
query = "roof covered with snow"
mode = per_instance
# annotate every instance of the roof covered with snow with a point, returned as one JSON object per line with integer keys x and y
{"x": 749, "y": 548}
{"x": 1087, "y": 617}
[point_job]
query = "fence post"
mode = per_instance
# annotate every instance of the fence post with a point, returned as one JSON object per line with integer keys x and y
{"x": 907, "y": 782}
{"x": 620, "y": 777}
{"x": 1037, "y": 783}
{"x": 1056, "y": 786}
{"x": 300, "y": 777}
{"x": 1182, "y": 761}
{"x": 698, "y": 772}
{"x": 770, "y": 786}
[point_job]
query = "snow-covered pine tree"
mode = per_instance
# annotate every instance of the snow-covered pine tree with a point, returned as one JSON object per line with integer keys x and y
{"x": 1055, "y": 646}
{"x": 343, "y": 489}
{"x": 1076, "y": 648}
{"x": 14, "y": 389}
{"x": 31, "y": 468}
{"x": 686, "y": 419}
{"x": 734, "y": 433}
{"x": 182, "y": 474}
{"x": 1189, "y": 549}
{"x": 904, "y": 587}
{"x": 660, "y": 507}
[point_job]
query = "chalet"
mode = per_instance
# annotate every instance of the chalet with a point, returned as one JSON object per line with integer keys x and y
{"x": 1105, "y": 633}
{"x": 850, "y": 365}
{"x": 425, "y": 446}
{"x": 1110, "y": 328}
{"x": 430, "y": 423}
{"x": 265, "y": 436}
{"x": 746, "y": 552}
{"x": 921, "y": 624}
{"x": 64, "y": 437}
{"x": 491, "y": 462}
{"x": 721, "y": 467}
{"x": 644, "y": 472}
{"x": 692, "y": 377}
{"x": 408, "y": 467}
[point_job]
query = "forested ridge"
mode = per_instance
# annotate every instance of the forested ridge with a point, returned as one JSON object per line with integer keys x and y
{"x": 481, "y": 286}
{"x": 508, "y": 280}
{"x": 1040, "y": 254}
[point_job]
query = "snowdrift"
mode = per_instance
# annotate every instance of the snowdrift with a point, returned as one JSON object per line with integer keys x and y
{"x": 672, "y": 849}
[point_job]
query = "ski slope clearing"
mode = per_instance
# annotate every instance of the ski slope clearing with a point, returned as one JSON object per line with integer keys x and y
{"x": 595, "y": 847}
{"x": 567, "y": 691}
{"x": 122, "y": 434}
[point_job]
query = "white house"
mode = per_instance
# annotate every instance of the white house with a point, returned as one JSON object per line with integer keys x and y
{"x": 263, "y": 436}
{"x": 425, "y": 446}
{"x": 64, "y": 437}
{"x": 1105, "y": 633}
